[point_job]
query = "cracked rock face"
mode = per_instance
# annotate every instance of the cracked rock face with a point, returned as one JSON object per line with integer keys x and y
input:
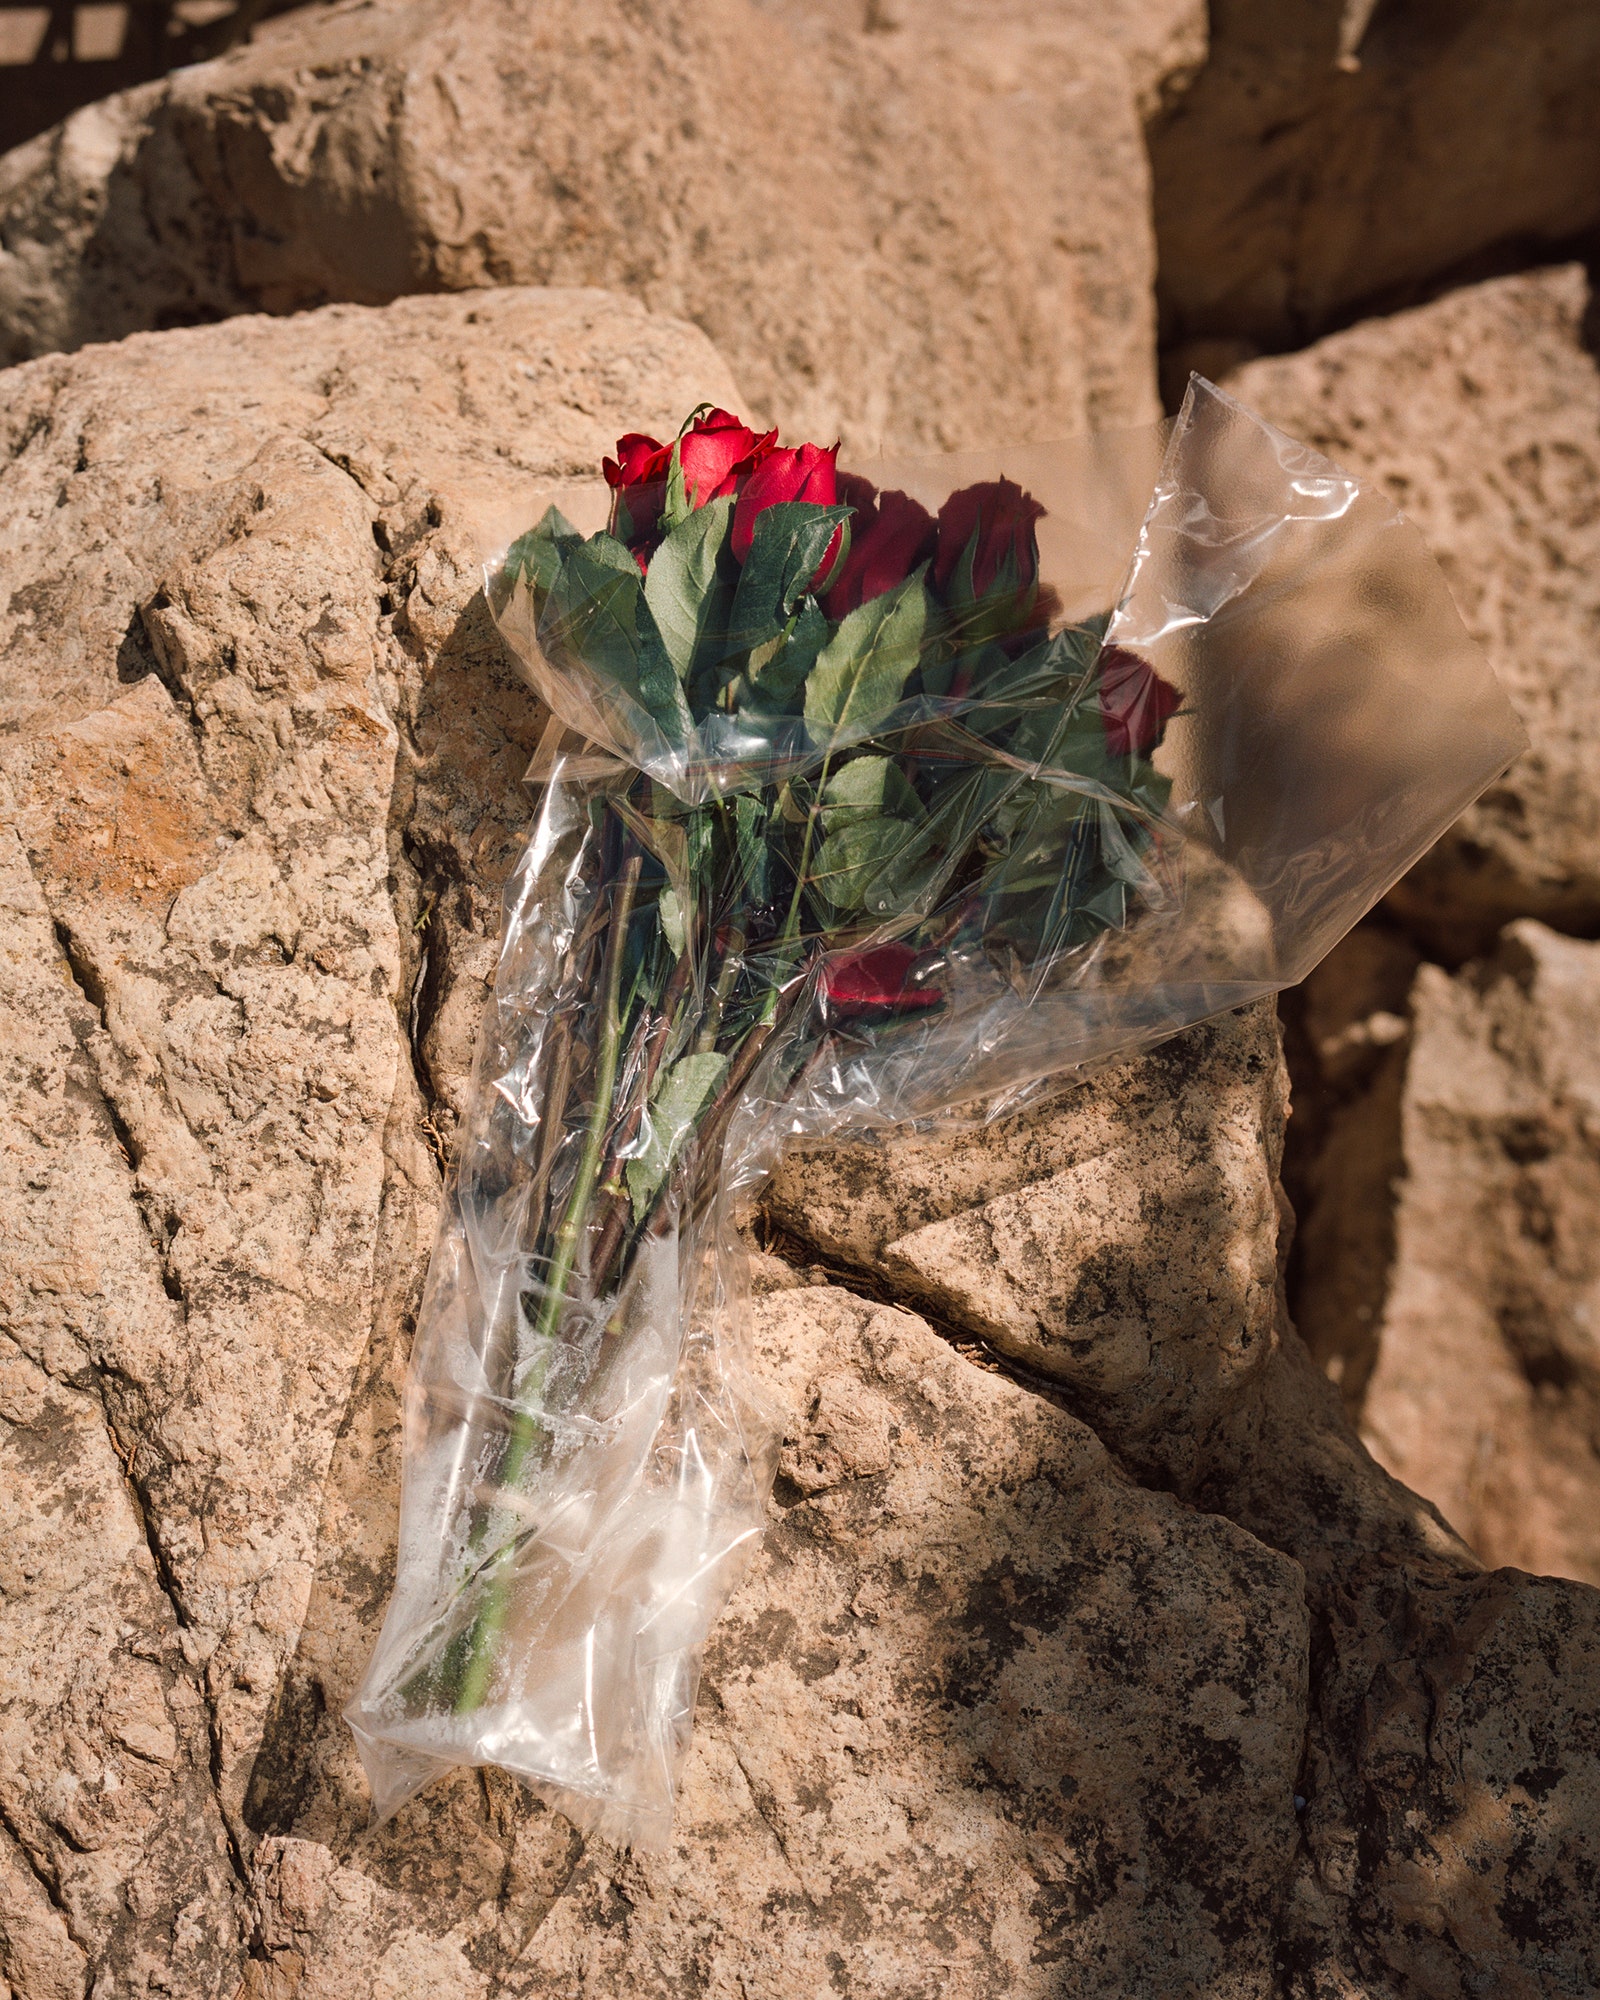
{"x": 918, "y": 1763}
{"x": 978, "y": 202}
{"x": 1074, "y": 1585}
{"x": 1424, "y": 1857}
{"x": 1480, "y": 414}
{"x": 1123, "y": 1242}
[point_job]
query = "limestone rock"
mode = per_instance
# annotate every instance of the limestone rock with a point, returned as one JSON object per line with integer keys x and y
{"x": 1162, "y": 41}
{"x": 1019, "y": 1696}
{"x": 1486, "y": 1390}
{"x": 917, "y": 1757}
{"x": 243, "y": 681}
{"x": 112, "y": 1848}
{"x": 1480, "y": 414}
{"x": 1347, "y": 1034}
{"x": 916, "y": 233}
{"x": 1125, "y": 1242}
{"x": 1414, "y": 1870}
{"x": 1334, "y": 159}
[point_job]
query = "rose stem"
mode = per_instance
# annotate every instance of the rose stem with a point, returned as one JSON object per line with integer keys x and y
{"x": 555, "y": 1110}
{"x": 708, "y": 1133}
{"x": 791, "y": 922}
{"x": 525, "y": 1426}
{"x": 732, "y": 966}
{"x": 612, "y": 1186}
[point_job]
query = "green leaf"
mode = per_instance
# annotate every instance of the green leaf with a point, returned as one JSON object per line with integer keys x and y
{"x": 787, "y": 546}
{"x": 607, "y": 552}
{"x": 535, "y": 558}
{"x": 862, "y": 671}
{"x": 688, "y": 587}
{"x": 596, "y": 613}
{"x": 876, "y": 865}
{"x": 751, "y": 824}
{"x": 679, "y": 1099}
{"x": 778, "y": 669}
{"x": 962, "y": 800}
{"x": 868, "y": 788}
{"x": 675, "y": 508}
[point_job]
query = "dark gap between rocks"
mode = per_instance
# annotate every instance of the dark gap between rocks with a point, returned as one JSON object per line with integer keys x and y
{"x": 1216, "y": 355}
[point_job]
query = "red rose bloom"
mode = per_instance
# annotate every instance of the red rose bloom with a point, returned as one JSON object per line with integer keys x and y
{"x": 886, "y": 544}
{"x": 714, "y": 453}
{"x": 806, "y": 473}
{"x": 1001, "y": 517}
{"x": 1135, "y": 703}
{"x": 875, "y": 982}
{"x": 715, "y": 450}
{"x": 638, "y": 477}
{"x": 639, "y": 460}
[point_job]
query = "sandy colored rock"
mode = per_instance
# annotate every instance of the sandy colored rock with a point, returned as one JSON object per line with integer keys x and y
{"x": 1486, "y": 1391}
{"x": 1017, "y": 1697}
{"x": 1330, "y": 160}
{"x": 112, "y": 1848}
{"x": 911, "y": 233}
{"x": 911, "y": 1764}
{"x": 1125, "y": 1241}
{"x": 1481, "y": 415}
{"x": 268, "y": 852}
{"x": 1416, "y": 1872}
{"x": 241, "y": 683}
{"x": 1163, "y": 42}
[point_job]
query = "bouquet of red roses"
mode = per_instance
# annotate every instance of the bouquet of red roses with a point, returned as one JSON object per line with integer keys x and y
{"x": 886, "y": 830}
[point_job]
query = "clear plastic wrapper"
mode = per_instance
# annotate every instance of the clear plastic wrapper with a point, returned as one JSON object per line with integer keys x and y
{"x": 956, "y": 774}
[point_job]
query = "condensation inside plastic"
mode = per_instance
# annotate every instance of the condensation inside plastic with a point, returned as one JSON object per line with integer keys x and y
{"x": 1336, "y": 718}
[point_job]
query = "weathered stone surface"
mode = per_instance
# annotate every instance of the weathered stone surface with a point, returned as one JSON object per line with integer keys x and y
{"x": 220, "y": 1192}
{"x": 1163, "y": 42}
{"x": 1337, "y": 158}
{"x": 1423, "y": 1851}
{"x": 1124, "y": 1242}
{"x": 1481, "y": 415}
{"x": 262, "y": 779}
{"x": 111, "y": 1844}
{"x": 904, "y": 232}
{"x": 1486, "y": 1389}
{"x": 912, "y": 1767}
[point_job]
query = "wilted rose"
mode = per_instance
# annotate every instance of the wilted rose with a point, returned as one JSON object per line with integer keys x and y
{"x": 888, "y": 538}
{"x": 995, "y": 521}
{"x": 1135, "y": 703}
{"x": 875, "y": 982}
{"x": 808, "y": 472}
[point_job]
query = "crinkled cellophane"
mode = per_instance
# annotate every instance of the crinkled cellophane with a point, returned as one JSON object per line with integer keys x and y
{"x": 586, "y": 1460}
